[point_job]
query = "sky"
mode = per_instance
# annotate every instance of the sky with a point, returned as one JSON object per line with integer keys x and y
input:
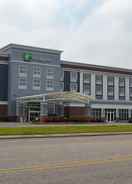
{"x": 88, "y": 31}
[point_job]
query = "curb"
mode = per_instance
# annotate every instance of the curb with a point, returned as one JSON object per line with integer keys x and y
{"x": 63, "y": 135}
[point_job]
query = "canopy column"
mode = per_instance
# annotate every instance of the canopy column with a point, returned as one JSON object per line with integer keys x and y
{"x": 43, "y": 111}
{"x": 20, "y": 111}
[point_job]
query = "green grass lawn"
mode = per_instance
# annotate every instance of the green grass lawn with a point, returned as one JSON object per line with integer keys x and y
{"x": 65, "y": 129}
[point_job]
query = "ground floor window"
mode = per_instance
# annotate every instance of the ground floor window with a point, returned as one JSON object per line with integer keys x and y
{"x": 96, "y": 114}
{"x": 51, "y": 109}
{"x": 123, "y": 114}
{"x": 131, "y": 113}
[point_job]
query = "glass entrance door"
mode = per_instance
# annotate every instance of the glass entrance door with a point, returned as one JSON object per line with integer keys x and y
{"x": 33, "y": 116}
{"x": 110, "y": 115}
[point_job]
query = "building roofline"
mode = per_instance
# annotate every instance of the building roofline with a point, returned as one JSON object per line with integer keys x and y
{"x": 84, "y": 66}
{"x": 4, "y": 56}
{"x": 19, "y": 46}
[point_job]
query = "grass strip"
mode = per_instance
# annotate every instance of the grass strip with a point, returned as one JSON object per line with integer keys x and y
{"x": 64, "y": 129}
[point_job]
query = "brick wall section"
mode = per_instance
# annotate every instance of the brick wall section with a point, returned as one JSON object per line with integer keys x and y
{"x": 3, "y": 113}
{"x": 3, "y": 110}
{"x": 75, "y": 111}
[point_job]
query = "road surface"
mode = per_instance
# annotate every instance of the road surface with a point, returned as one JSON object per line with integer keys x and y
{"x": 80, "y": 160}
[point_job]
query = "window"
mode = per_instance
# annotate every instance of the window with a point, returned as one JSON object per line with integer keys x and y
{"x": 96, "y": 114}
{"x": 99, "y": 87}
{"x": 50, "y": 85}
{"x": 123, "y": 114}
{"x": 130, "y": 88}
{"x": 121, "y": 88}
{"x": 110, "y": 81}
{"x": 87, "y": 89}
{"x": 61, "y": 84}
{"x": 87, "y": 83}
{"x": 36, "y": 83}
{"x": 110, "y": 88}
{"x": 130, "y": 81}
{"x": 99, "y": 79}
{"x": 22, "y": 83}
{"x": 22, "y": 70}
{"x": 73, "y": 86}
{"x": 50, "y": 73}
{"x": 73, "y": 76}
{"x": 36, "y": 70}
{"x": 51, "y": 109}
{"x": 22, "y": 76}
{"x": 86, "y": 78}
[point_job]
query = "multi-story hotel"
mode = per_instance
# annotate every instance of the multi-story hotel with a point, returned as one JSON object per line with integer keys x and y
{"x": 36, "y": 82}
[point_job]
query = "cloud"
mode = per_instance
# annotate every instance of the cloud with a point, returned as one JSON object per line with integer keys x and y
{"x": 91, "y": 31}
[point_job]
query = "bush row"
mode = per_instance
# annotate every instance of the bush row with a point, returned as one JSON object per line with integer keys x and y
{"x": 70, "y": 119}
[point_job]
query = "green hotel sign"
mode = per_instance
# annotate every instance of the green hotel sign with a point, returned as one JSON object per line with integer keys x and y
{"x": 27, "y": 56}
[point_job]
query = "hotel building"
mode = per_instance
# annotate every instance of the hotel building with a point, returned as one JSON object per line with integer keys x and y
{"x": 30, "y": 75}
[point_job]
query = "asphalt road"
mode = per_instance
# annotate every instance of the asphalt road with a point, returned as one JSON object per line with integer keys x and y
{"x": 80, "y": 160}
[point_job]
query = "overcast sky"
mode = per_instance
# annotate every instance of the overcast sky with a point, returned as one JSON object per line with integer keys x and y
{"x": 90, "y": 31}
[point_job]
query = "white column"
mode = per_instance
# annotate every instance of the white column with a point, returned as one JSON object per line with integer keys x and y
{"x": 116, "y": 88}
{"x": 127, "y": 88}
{"x": 81, "y": 83}
{"x": 17, "y": 108}
{"x": 129, "y": 113}
{"x": 44, "y": 109}
{"x": 117, "y": 113}
{"x": 93, "y": 84}
{"x": 104, "y": 87}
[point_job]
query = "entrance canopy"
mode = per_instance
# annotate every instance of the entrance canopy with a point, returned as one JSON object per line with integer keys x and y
{"x": 57, "y": 97}
{"x": 67, "y": 97}
{"x": 51, "y": 103}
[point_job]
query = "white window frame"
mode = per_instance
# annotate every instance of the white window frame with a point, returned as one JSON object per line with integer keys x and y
{"x": 36, "y": 71}
{"x": 48, "y": 87}
{"x": 20, "y": 85}
{"x": 50, "y": 73}
{"x": 35, "y": 87}
{"x": 73, "y": 76}
{"x": 61, "y": 86}
{"x": 72, "y": 85}
{"x": 21, "y": 72}
{"x": 87, "y": 80}
{"x": 87, "y": 91}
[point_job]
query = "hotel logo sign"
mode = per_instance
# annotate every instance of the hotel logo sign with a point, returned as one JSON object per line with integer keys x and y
{"x": 27, "y": 56}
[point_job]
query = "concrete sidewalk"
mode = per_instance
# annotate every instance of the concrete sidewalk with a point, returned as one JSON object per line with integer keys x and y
{"x": 27, "y": 124}
{"x": 62, "y": 135}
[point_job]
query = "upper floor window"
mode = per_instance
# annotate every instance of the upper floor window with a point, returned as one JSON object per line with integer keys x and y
{"x": 36, "y": 70}
{"x": 122, "y": 81}
{"x": 22, "y": 83}
{"x": 130, "y": 82}
{"x": 49, "y": 85}
{"x": 73, "y": 86}
{"x": 99, "y": 79}
{"x": 86, "y": 77}
{"x": 22, "y": 69}
{"x": 73, "y": 76}
{"x": 110, "y": 81}
{"x": 122, "y": 88}
{"x": 130, "y": 88}
{"x": 50, "y": 73}
{"x": 110, "y": 88}
{"x": 87, "y": 89}
{"x": 61, "y": 86}
{"x": 36, "y": 83}
{"x": 99, "y": 87}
